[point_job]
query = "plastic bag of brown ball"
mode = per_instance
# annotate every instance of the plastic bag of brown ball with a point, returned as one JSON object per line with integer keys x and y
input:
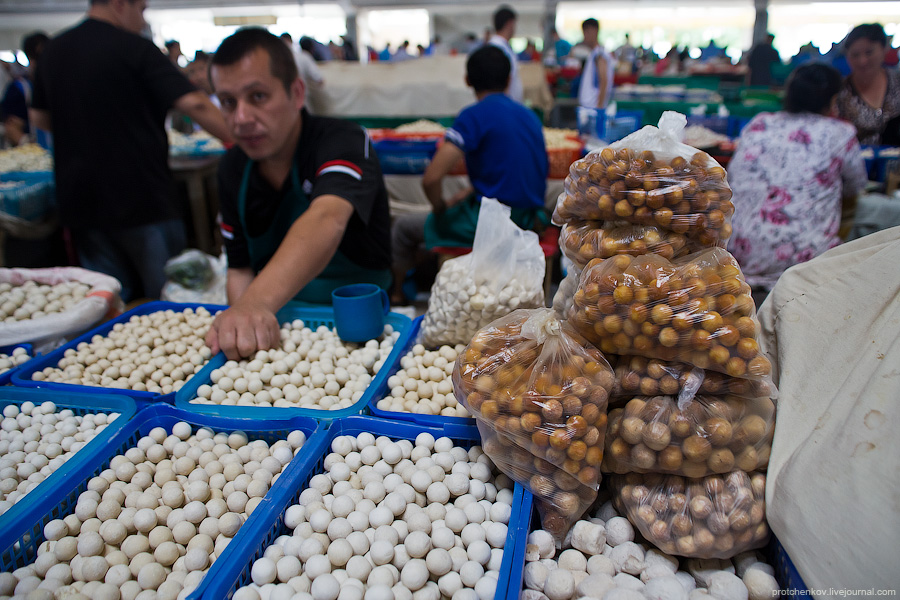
{"x": 703, "y": 435}
{"x": 696, "y": 309}
{"x": 583, "y": 241}
{"x": 539, "y": 392}
{"x": 718, "y": 516}
{"x": 651, "y": 178}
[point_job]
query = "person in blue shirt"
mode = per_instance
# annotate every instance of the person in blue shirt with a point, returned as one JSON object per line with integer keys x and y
{"x": 503, "y": 145}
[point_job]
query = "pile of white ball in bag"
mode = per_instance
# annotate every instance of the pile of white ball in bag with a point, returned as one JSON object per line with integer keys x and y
{"x": 19, "y": 356}
{"x": 423, "y": 384}
{"x": 313, "y": 369}
{"x": 32, "y": 300}
{"x": 459, "y": 306}
{"x": 35, "y": 440}
{"x": 391, "y": 520}
{"x": 149, "y": 353}
{"x": 151, "y": 524}
{"x": 602, "y": 561}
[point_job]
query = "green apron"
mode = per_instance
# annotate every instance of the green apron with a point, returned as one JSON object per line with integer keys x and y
{"x": 455, "y": 227}
{"x": 340, "y": 270}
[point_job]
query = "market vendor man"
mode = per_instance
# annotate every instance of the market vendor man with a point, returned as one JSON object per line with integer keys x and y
{"x": 303, "y": 203}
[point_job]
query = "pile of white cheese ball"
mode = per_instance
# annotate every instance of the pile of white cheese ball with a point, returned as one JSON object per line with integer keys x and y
{"x": 150, "y": 353}
{"x": 18, "y": 357}
{"x": 602, "y": 561}
{"x": 313, "y": 369}
{"x": 151, "y": 524}
{"x": 32, "y": 300}
{"x": 391, "y": 520}
{"x": 35, "y": 440}
{"x": 459, "y": 306}
{"x": 424, "y": 384}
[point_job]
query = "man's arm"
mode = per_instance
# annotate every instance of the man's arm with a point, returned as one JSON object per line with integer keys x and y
{"x": 198, "y": 107}
{"x": 602, "y": 67}
{"x": 442, "y": 163}
{"x": 40, "y": 119}
{"x": 237, "y": 283}
{"x": 306, "y": 250}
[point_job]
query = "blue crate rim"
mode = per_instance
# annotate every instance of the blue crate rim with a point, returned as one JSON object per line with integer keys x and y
{"x": 189, "y": 390}
{"x": 242, "y": 556}
{"x": 52, "y": 358}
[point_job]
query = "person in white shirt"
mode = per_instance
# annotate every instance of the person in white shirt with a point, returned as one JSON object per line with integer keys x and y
{"x": 504, "y": 30}
{"x": 306, "y": 64}
{"x": 595, "y": 90}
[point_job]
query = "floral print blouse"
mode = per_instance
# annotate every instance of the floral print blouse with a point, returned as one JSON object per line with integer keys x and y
{"x": 870, "y": 121}
{"x": 788, "y": 175}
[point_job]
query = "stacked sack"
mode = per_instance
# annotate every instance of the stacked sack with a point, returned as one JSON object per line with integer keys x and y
{"x": 691, "y": 415}
{"x": 539, "y": 391}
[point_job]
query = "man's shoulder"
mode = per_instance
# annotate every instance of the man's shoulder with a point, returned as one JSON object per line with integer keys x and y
{"x": 331, "y": 127}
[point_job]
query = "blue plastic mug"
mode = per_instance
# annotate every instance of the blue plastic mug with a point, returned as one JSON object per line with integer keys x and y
{"x": 359, "y": 311}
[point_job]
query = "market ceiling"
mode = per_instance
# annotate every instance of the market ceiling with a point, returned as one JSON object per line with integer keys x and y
{"x": 31, "y": 6}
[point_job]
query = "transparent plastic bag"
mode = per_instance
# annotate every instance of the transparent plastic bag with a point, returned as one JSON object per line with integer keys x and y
{"x": 713, "y": 517}
{"x": 701, "y": 436}
{"x": 651, "y": 178}
{"x": 583, "y": 241}
{"x": 696, "y": 309}
{"x": 639, "y": 376}
{"x": 504, "y": 271}
{"x": 191, "y": 269}
{"x": 539, "y": 392}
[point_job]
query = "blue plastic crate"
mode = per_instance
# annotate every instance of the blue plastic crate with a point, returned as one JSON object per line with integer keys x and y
{"x": 736, "y": 125}
{"x": 405, "y": 157}
{"x": 20, "y": 540}
{"x": 785, "y": 573}
{"x": 27, "y": 195}
{"x": 312, "y": 317}
{"x": 381, "y": 391}
{"x": 233, "y": 567}
{"x": 22, "y": 377}
{"x": 6, "y": 377}
{"x": 13, "y": 523}
{"x": 711, "y": 122}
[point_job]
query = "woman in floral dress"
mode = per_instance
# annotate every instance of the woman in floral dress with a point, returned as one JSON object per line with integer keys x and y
{"x": 789, "y": 173}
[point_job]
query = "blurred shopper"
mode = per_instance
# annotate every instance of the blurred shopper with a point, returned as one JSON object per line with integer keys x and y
{"x": 870, "y": 96}
{"x": 595, "y": 89}
{"x": 304, "y": 207}
{"x": 762, "y": 57}
{"x": 627, "y": 54}
{"x": 560, "y": 48}
{"x": 306, "y": 65}
{"x": 173, "y": 51}
{"x": 790, "y": 171}
{"x": 106, "y": 90}
{"x": 402, "y": 53}
{"x": 504, "y": 30}
{"x": 17, "y": 98}
{"x": 503, "y": 146}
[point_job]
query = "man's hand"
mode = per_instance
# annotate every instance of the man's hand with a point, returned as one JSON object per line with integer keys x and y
{"x": 242, "y": 330}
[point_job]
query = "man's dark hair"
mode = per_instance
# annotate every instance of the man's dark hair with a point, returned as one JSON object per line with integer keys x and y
{"x": 286, "y": 36}
{"x": 811, "y": 88}
{"x": 502, "y": 16}
{"x": 33, "y": 45}
{"x": 873, "y": 32}
{"x": 488, "y": 69}
{"x": 171, "y": 44}
{"x": 592, "y": 22}
{"x": 245, "y": 41}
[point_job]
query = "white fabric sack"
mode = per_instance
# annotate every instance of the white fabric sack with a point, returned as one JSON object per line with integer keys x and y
{"x": 45, "y": 331}
{"x": 831, "y": 328}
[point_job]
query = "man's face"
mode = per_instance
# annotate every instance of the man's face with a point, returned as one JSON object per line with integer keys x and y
{"x": 590, "y": 32}
{"x": 131, "y": 15}
{"x": 865, "y": 56}
{"x": 262, "y": 116}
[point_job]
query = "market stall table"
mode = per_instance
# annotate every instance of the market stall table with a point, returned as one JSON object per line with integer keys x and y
{"x": 198, "y": 173}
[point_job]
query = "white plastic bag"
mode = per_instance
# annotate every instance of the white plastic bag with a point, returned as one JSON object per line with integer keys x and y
{"x": 48, "y": 331}
{"x": 504, "y": 271}
{"x": 213, "y": 293}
